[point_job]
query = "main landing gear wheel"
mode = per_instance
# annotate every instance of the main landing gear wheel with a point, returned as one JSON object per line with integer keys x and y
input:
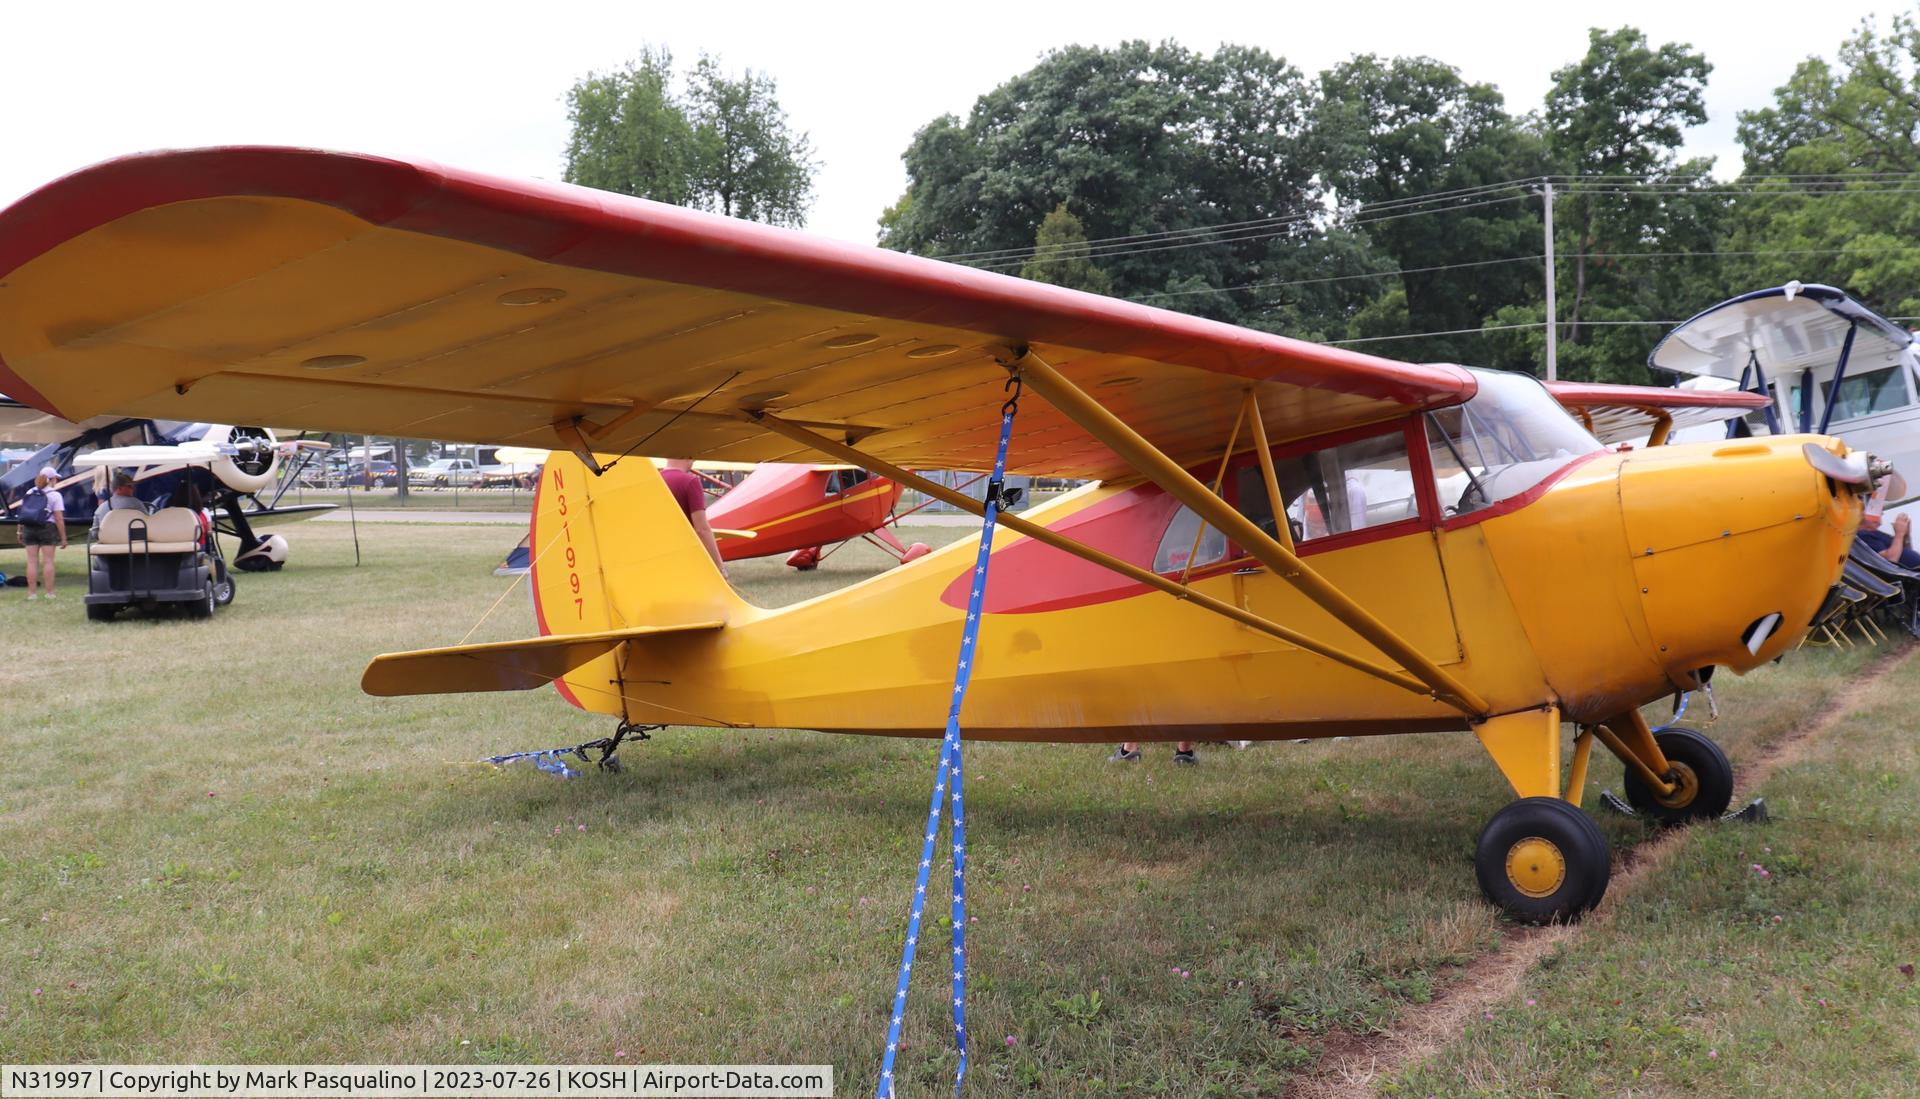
{"x": 1703, "y": 780}
{"x": 1542, "y": 860}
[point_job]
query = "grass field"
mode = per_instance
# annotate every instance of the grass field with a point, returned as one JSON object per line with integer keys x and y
{"x": 214, "y": 848}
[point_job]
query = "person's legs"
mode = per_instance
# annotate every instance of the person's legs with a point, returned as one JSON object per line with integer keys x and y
{"x": 1126, "y": 753}
{"x": 1183, "y": 752}
{"x": 46, "y": 573}
{"x": 34, "y": 551}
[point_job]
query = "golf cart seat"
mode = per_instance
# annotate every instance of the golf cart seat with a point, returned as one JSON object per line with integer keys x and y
{"x": 130, "y": 530}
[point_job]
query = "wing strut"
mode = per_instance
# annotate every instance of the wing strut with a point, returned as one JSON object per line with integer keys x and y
{"x": 1131, "y": 571}
{"x": 1147, "y": 460}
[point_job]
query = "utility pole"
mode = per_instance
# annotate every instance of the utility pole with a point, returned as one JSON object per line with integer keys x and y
{"x": 1553, "y": 328}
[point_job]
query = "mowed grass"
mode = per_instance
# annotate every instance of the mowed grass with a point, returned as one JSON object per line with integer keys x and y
{"x": 214, "y": 848}
{"x": 1761, "y": 960}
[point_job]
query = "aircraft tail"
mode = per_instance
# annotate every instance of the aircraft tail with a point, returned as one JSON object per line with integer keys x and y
{"x": 613, "y": 558}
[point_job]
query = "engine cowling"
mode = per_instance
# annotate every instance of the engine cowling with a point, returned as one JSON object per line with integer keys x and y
{"x": 252, "y": 466}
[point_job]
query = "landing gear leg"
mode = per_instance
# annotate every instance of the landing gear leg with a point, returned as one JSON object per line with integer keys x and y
{"x": 1540, "y": 859}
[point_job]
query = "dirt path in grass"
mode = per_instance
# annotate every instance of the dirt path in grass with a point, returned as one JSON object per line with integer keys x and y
{"x": 1351, "y": 1065}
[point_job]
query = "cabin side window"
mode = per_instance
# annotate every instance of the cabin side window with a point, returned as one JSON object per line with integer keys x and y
{"x": 1867, "y": 394}
{"x": 1326, "y": 492}
{"x": 1354, "y": 486}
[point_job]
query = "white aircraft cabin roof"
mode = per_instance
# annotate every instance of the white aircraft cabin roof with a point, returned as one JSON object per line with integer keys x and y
{"x": 1788, "y": 328}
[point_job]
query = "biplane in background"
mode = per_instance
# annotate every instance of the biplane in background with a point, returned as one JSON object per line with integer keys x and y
{"x": 239, "y": 473}
{"x": 1819, "y": 360}
{"x": 1354, "y": 545}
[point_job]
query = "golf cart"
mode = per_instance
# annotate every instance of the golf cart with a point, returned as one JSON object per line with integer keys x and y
{"x": 137, "y": 558}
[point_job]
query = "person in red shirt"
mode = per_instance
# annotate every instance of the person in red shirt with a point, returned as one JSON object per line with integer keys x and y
{"x": 692, "y": 498}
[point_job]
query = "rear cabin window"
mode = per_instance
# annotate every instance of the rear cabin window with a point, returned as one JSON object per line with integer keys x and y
{"x": 1186, "y": 546}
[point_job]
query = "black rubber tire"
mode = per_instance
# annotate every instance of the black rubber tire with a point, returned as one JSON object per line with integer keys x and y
{"x": 99, "y": 612}
{"x": 1587, "y": 862}
{"x": 1708, "y": 769}
{"x": 202, "y": 607}
{"x": 222, "y": 585}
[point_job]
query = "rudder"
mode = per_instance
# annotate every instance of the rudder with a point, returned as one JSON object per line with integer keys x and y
{"x": 614, "y": 551}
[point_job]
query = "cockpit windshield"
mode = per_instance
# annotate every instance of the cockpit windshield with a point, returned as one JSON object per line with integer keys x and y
{"x": 1511, "y": 436}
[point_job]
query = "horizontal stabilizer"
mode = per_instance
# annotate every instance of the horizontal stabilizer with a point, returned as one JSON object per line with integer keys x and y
{"x": 500, "y": 665}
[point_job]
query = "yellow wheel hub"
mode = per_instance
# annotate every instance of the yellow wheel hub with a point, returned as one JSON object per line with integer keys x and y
{"x": 1686, "y": 787}
{"x": 1536, "y": 867}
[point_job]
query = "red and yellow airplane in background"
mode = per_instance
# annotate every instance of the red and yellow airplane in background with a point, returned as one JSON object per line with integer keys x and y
{"x": 1351, "y": 545}
{"x": 807, "y": 511}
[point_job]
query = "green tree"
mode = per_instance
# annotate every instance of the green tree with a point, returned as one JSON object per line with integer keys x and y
{"x": 629, "y": 132}
{"x": 750, "y": 163}
{"x": 1615, "y": 120}
{"x": 722, "y": 145}
{"x": 1391, "y": 130}
{"x": 1861, "y": 115}
{"x": 1140, "y": 139}
{"x": 1058, "y": 255}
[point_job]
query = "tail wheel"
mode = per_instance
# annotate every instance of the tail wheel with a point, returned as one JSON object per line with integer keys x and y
{"x": 1542, "y": 860}
{"x": 1702, "y": 780}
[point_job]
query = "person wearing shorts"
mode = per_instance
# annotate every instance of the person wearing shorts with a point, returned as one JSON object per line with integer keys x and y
{"x": 44, "y": 539}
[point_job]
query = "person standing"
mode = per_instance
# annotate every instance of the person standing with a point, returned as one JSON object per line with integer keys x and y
{"x": 685, "y": 486}
{"x": 43, "y": 529}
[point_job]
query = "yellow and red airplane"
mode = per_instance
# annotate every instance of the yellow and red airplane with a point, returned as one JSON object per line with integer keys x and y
{"x": 1285, "y": 540}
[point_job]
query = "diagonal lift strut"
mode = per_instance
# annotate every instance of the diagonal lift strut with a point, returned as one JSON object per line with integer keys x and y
{"x": 1426, "y": 678}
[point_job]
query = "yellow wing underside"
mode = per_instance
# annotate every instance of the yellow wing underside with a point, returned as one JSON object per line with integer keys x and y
{"x": 244, "y": 309}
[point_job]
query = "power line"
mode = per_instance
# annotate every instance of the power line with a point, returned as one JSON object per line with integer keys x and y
{"x": 1356, "y": 221}
{"x": 1279, "y": 227}
{"x": 1716, "y": 254}
{"x": 1658, "y": 176}
{"x": 1511, "y": 327}
{"x": 1449, "y": 332}
{"x": 1296, "y": 216}
{"x": 1337, "y": 278}
{"x": 1811, "y": 185}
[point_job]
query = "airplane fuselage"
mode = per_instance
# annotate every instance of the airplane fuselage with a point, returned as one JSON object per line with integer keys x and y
{"x": 1601, "y": 588}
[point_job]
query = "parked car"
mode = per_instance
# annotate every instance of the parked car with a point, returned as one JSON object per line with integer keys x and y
{"x": 374, "y": 474}
{"x": 507, "y": 476}
{"x": 444, "y": 473}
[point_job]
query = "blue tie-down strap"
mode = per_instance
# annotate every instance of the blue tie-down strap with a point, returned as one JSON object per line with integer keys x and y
{"x": 554, "y": 760}
{"x": 948, "y": 780}
{"x": 551, "y": 760}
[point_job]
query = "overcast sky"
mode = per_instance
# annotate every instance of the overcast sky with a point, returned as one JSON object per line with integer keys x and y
{"x": 479, "y": 85}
